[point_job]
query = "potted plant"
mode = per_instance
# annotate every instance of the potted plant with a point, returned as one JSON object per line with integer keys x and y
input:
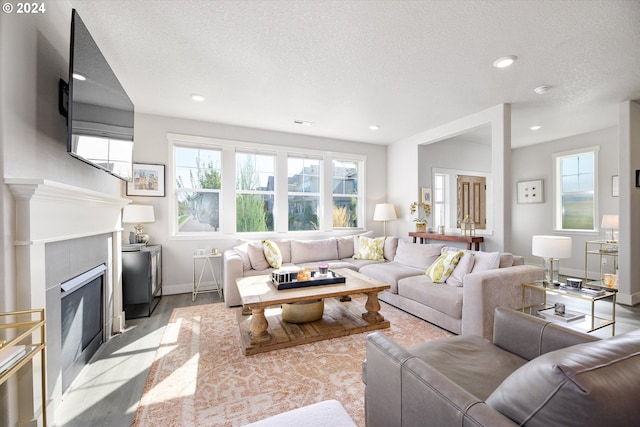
{"x": 420, "y": 220}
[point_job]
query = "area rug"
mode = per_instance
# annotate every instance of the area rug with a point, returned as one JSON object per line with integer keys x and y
{"x": 200, "y": 376}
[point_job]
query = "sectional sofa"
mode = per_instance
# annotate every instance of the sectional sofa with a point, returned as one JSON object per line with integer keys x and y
{"x": 463, "y": 304}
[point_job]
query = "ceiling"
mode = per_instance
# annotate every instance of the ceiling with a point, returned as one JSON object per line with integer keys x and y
{"x": 407, "y": 66}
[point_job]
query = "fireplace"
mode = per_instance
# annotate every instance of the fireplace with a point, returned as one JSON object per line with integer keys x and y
{"x": 61, "y": 232}
{"x": 81, "y": 321}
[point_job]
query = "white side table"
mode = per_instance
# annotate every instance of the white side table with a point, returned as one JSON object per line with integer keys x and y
{"x": 206, "y": 261}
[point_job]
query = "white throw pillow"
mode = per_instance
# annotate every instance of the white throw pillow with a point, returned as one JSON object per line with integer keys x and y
{"x": 485, "y": 261}
{"x": 462, "y": 269}
{"x": 256, "y": 256}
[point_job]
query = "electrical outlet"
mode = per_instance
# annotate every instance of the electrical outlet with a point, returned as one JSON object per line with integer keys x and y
{"x": 605, "y": 262}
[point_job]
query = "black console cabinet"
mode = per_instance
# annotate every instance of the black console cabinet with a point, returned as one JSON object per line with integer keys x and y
{"x": 142, "y": 278}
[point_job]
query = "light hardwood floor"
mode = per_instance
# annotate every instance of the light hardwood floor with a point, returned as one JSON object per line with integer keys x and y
{"x": 106, "y": 393}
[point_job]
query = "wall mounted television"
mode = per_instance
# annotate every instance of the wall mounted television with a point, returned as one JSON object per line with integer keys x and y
{"x": 100, "y": 114}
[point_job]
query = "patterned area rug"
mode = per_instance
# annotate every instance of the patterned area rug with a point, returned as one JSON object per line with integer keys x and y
{"x": 200, "y": 376}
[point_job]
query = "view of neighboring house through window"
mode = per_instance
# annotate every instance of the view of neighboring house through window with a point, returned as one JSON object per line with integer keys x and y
{"x": 346, "y": 193}
{"x": 575, "y": 184}
{"x": 255, "y": 191}
{"x": 198, "y": 185}
{"x": 304, "y": 193}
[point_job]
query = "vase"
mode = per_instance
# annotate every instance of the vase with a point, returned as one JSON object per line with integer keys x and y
{"x": 421, "y": 227}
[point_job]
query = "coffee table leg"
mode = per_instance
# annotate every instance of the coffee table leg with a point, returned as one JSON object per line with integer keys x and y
{"x": 258, "y": 328}
{"x": 373, "y": 309}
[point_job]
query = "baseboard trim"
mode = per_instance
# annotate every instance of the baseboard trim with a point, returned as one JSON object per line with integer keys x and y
{"x": 187, "y": 288}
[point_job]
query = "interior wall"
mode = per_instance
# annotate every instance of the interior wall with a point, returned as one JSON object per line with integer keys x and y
{"x": 152, "y": 147}
{"x": 404, "y": 156}
{"x": 536, "y": 162}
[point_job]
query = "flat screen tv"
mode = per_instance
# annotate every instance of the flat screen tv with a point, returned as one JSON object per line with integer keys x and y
{"x": 100, "y": 114}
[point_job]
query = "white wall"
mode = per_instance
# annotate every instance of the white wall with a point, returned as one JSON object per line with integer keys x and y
{"x": 536, "y": 162}
{"x": 152, "y": 147}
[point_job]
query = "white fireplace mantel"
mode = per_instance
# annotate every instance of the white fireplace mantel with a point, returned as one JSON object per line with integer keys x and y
{"x": 47, "y": 212}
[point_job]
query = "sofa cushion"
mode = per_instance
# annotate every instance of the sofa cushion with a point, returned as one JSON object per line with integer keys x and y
{"x": 445, "y": 299}
{"x": 582, "y": 385}
{"x": 272, "y": 253}
{"x": 417, "y": 255}
{"x": 506, "y": 260}
{"x": 485, "y": 261}
{"x": 256, "y": 256}
{"x": 285, "y": 250}
{"x": 462, "y": 269}
{"x": 313, "y": 250}
{"x": 390, "y": 273}
{"x": 243, "y": 252}
{"x": 470, "y": 361}
{"x": 442, "y": 267}
{"x": 390, "y": 247}
{"x": 369, "y": 248}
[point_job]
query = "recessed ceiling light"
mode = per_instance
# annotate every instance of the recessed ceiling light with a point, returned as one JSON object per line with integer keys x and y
{"x": 541, "y": 90}
{"x": 79, "y": 76}
{"x": 535, "y": 127}
{"x": 197, "y": 98}
{"x": 303, "y": 122}
{"x": 374, "y": 127}
{"x": 505, "y": 61}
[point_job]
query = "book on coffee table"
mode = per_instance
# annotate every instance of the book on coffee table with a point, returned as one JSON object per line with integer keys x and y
{"x": 568, "y": 316}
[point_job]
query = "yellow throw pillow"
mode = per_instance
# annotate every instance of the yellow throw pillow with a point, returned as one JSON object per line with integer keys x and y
{"x": 272, "y": 253}
{"x": 442, "y": 268}
{"x": 370, "y": 248}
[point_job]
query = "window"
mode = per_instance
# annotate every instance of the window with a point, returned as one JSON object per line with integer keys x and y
{"x": 439, "y": 199}
{"x": 304, "y": 193}
{"x": 576, "y": 190}
{"x": 255, "y": 191}
{"x": 346, "y": 193}
{"x": 198, "y": 183}
{"x": 226, "y": 186}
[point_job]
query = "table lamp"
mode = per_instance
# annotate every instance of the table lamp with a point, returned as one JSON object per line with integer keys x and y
{"x": 138, "y": 215}
{"x": 610, "y": 221}
{"x": 551, "y": 249}
{"x": 384, "y": 212}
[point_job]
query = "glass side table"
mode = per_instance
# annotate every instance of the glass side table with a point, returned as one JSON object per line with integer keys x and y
{"x": 584, "y": 321}
{"x": 206, "y": 259}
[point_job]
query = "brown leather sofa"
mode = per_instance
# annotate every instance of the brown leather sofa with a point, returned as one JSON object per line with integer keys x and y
{"x": 534, "y": 373}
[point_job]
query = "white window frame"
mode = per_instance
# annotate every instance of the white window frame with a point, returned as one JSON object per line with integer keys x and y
{"x": 557, "y": 180}
{"x": 228, "y": 192}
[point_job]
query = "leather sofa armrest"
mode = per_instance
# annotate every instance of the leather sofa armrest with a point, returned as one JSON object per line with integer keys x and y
{"x": 382, "y": 378}
{"x": 431, "y": 399}
{"x": 232, "y": 269}
{"x": 529, "y": 337}
{"x": 484, "y": 291}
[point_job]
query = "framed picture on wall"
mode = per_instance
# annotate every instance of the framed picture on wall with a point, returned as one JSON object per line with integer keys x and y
{"x": 425, "y": 195}
{"x": 530, "y": 191}
{"x": 148, "y": 180}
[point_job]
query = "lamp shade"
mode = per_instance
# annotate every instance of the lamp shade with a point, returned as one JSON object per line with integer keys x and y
{"x": 609, "y": 221}
{"x": 384, "y": 212}
{"x": 555, "y": 247}
{"x": 138, "y": 214}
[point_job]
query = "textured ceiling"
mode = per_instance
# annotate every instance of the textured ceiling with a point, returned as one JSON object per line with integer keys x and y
{"x": 406, "y": 65}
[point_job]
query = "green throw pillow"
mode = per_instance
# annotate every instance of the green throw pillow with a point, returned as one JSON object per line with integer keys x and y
{"x": 370, "y": 248}
{"x": 442, "y": 268}
{"x": 272, "y": 253}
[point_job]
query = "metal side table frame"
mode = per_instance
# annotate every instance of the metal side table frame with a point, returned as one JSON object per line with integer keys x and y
{"x": 207, "y": 261}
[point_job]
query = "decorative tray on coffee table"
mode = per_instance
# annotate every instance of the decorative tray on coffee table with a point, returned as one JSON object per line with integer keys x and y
{"x": 317, "y": 279}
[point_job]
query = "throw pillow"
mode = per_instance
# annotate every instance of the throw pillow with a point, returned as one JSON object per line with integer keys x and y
{"x": 485, "y": 261}
{"x": 462, "y": 269}
{"x": 370, "y": 248}
{"x": 417, "y": 255}
{"x": 442, "y": 268}
{"x": 272, "y": 253}
{"x": 256, "y": 256}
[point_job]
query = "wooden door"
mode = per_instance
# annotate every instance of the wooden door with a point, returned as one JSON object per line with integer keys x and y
{"x": 472, "y": 199}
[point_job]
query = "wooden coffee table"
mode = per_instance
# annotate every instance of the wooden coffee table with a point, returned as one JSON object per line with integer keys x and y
{"x": 264, "y": 330}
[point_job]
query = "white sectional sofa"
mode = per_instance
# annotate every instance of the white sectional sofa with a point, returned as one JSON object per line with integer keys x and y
{"x": 464, "y": 304}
